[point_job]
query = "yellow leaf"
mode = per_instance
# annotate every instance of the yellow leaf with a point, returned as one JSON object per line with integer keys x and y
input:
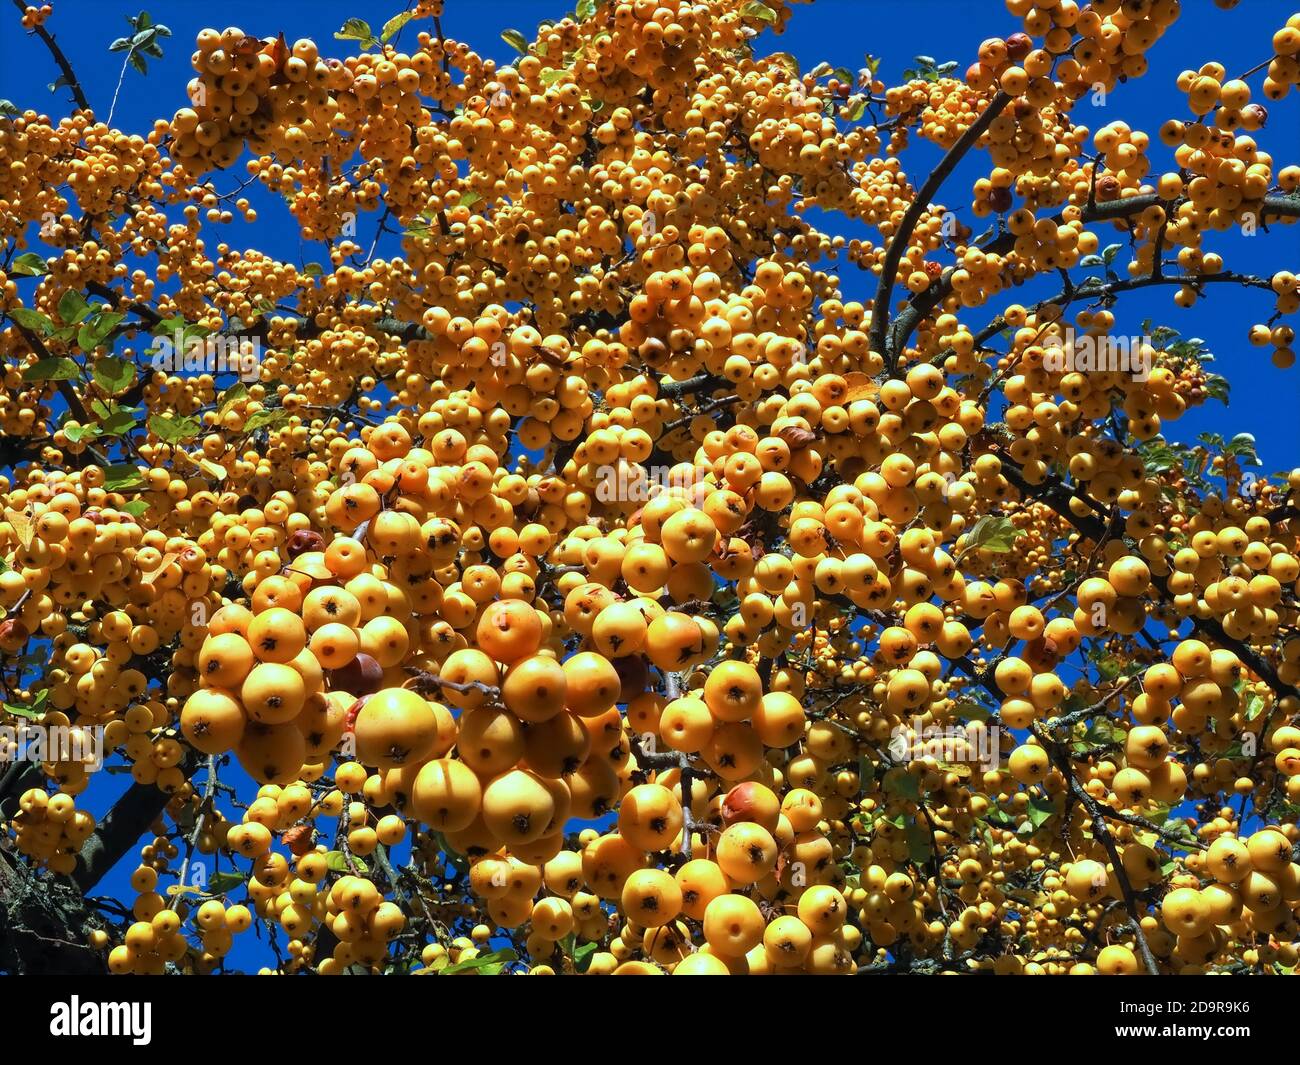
{"x": 167, "y": 560}
{"x": 23, "y": 527}
{"x": 860, "y": 386}
{"x": 217, "y": 473}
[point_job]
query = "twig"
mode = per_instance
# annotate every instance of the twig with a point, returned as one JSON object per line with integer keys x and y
{"x": 69, "y": 76}
{"x": 897, "y": 245}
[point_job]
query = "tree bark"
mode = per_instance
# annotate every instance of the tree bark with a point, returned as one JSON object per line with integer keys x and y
{"x": 44, "y": 925}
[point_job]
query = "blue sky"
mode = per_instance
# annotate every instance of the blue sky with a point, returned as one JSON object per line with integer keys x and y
{"x": 1264, "y": 399}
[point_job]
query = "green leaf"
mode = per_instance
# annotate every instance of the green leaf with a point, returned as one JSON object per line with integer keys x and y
{"x": 73, "y": 307}
{"x": 336, "y": 861}
{"x": 585, "y": 9}
{"x": 1242, "y": 446}
{"x": 855, "y": 107}
{"x": 1040, "y": 810}
{"x": 169, "y": 327}
{"x": 230, "y": 396}
{"x": 451, "y": 854}
{"x": 30, "y": 319}
{"x": 112, "y": 374}
{"x": 223, "y": 882}
{"x": 1254, "y": 707}
{"x": 1179, "y": 829}
{"x": 136, "y": 507}
{"x": 1000, "y": 818}
{"x": 122, "y": 477}
{"x": 171, "y": 430}
{"x": 55, "y": 369}
{"x": 902, "y": 784}
{"x": 394, "y": 24}
{"x": 1191, "y": 348}
{"x": 759, "y": 11}
{"x": 582, "y": 955}
{"x": 29, "y": 264}
{"x": 1109, "y": 252}
{"x": 1098, "y": 732}
{"x": 313, "y": 270}
{"x": 119, "y": 421}
{"x": 1216, "y": 387}
{"x": 992, "y": 533}
{"x": 1108, "y": 667}
{"x": 356, "y": 29}
{"x": 967, "y": 710}
{"x": 551, "y": 75}
{"x": 34, "y": 712}
{"x": 516, "y": 40}
{"x": 78, "y": 433}
{"x": 266, "y": 419}
{"x": 918, "y": 842}
{"x": 8, "y": 109}
{"x": 1159, "y": 458}
{"x": 469, "y": 199}
{"x": 96, "y": 328}
{"x": 490, "y": 964}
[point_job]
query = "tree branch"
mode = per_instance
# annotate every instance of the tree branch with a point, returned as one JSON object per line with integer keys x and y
{"x": 920, "y": 305}
{"x": 69, "y": 75}
{"x": 880, "y": 308}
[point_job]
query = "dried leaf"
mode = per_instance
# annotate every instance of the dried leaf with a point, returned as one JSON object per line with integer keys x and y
{"x": 278, "y": 50}
{"x": 860, "y": 386}
{"x": 797, "y": 437}
{"x": 23, "y": 527}
{"x": 167, "y": 560}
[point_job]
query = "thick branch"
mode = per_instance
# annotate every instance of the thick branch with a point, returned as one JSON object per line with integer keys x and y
{"x": 45, "y": 925}
{"x": 122, "y": 827}
{"x": 923, "y": 303}
{"x": 894, "y": 254}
